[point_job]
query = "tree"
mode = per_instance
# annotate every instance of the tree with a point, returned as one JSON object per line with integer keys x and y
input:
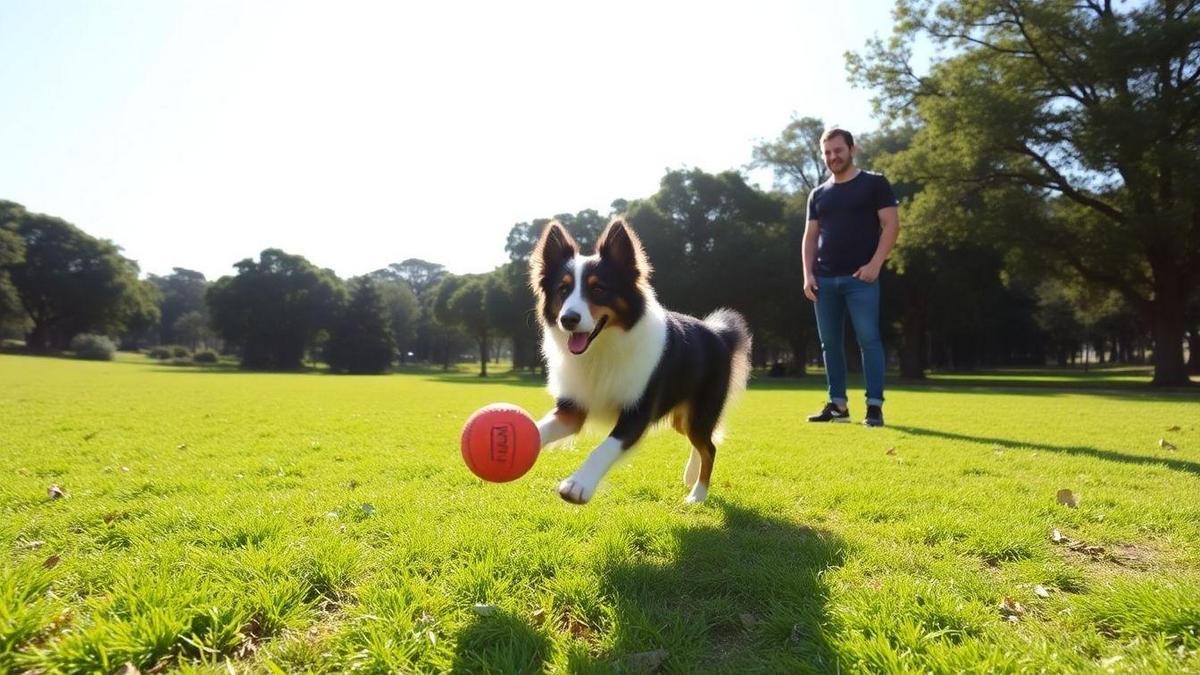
{"x": 473, "y": 303}
{"x": 67, "y": 282}
{"x": 421, "y": 275}
{"x": 1075, "y": 128}
{"x": 140, "y": 315}
{"x": 12, "y": 251}
{"x": 191, "y": 329}
{"x": 182, "y": 292}
{"x": 361, "y": 340}
{"x": 795, "y": 157}
{"x": 273, "y": 308}
{"x": 401, "y": 307}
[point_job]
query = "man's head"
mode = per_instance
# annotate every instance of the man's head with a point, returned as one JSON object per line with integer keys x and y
{"x": 837, "y": 146}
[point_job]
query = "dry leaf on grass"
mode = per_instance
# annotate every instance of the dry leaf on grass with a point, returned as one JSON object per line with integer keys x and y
{"x": 539, "y": 615}
{"x": 484, "y": 610}
{"x": 1173, "y": 428}
{"x": 52, "y": 561}
{"x": 1012, "y": 610}
{"x": 1041, "y": 591}
{"x": 1057, "y": 537}
{"x": 55, "y": 492}
{"x": 1067, "y": 498}
{"x": 128, "y": 669}
{"x": 1166, "y": 445}
{"x": 891, "y": 451}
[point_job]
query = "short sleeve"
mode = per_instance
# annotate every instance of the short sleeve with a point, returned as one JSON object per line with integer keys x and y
{"x": 884, "y": 196}
{"x": 812, "y": 204}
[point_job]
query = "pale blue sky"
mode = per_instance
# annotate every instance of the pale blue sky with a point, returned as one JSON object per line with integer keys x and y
{"x": 195, "y": 134}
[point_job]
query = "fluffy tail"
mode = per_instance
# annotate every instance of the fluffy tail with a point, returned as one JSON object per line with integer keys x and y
{"x": 732, "y": 329}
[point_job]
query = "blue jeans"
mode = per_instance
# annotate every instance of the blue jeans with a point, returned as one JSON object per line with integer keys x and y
{"x": 837, "y": 296}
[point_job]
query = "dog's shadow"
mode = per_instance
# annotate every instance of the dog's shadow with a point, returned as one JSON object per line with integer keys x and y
{"x": 747, "y": 595}
{"x": 744, "y": 596}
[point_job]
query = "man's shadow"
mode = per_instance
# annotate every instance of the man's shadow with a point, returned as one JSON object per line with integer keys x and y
{"x": 746, "y": 596}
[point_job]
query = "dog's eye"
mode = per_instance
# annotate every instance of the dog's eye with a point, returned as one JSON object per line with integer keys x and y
{"x": 598, "y": 291}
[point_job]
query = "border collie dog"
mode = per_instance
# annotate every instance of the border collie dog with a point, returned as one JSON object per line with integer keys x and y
{"x": 615, "y": 356}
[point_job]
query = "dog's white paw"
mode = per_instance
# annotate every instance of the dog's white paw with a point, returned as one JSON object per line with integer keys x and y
{"x": 575, "y": 491}
{"x": 698, "y": 494}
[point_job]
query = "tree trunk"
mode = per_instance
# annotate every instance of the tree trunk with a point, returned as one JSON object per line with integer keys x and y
{"x": 912, "y": 343}
{"x": 1169, "y": 368}
{"x": 1194, "y": 351}
{"x": 799, "y": 344}
{"x": 483, "y": 357}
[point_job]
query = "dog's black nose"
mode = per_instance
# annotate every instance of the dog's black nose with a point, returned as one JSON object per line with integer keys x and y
{"x": 569, "y": 320}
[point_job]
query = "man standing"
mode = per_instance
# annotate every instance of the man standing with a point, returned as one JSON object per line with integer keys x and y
{"x": 852, "y": 226}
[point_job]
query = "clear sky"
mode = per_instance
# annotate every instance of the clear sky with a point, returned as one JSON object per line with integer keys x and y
{"x": 356, "y": 134}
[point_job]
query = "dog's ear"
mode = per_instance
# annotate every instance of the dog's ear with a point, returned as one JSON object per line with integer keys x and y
{"x": 553, "y": 249}
{"x": 620, "y": 245}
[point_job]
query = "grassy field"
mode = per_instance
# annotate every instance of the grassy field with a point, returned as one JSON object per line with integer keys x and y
{"x": 216, "y": 520}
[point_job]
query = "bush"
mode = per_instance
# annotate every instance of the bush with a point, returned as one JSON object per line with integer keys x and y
{"x": 180, "y": 352}
{"x": 206, "y": 356}
{"x": 93, "y": 347}
{"x": 160, "y": 353}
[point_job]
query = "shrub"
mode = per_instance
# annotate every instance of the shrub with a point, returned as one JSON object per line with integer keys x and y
{"x": 180, "y": 352}
{"x": 93, "y": 347}
{"x": 160, "y": 353}
{"x": 206, "y": 356}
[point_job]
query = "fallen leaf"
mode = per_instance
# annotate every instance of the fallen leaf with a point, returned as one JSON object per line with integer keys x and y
{"x": 484, "y": 610}
{"x": 352, "y": 484}
{"x": 647, "y": 662}
{"x": 90, "y": 436}
{"x": 1166, "y": 445}
{"x": 128, "y": 669}
{"x": 125, "y": 469}
{"x": 1067, "y": 498}
{"x": 1111, "y": 661}
{"x": 55, "y": 492}
{"x": 368, "y": 509}
{"x": 1057, "y": 537}
{"x": 182, "y": 446}
{"x": 891, "y": 451}
{"x": 748, "y": 620}
{"x": 539, "y": 615}
{"x": 52, "y": 562}
{"x": 1011, "y": 610}
{"x": 1041, "y": 591}
{"x": 33, "y": 545}
{"x": 1173, "y": 428}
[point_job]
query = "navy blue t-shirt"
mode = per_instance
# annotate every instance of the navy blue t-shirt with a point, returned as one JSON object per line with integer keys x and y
{"x": 847, "y": 216}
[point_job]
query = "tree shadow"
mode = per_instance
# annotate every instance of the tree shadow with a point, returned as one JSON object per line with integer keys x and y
{"x": 505, "y": 378}
{"x": 1079, "y": 450}
{"x": 747, "y": 596}
{"x": 500, "y": 643}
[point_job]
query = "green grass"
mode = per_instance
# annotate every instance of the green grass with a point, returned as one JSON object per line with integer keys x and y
{"x": 287, "y": 523}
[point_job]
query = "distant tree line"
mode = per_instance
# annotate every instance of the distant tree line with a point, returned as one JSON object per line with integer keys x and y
{"x": 1047, "y": 167}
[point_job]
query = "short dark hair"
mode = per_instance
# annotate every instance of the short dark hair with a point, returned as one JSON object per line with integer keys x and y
{"x": 836, "y": 131}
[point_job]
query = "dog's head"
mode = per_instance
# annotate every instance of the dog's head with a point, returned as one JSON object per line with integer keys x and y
{"x": 581, "y": 296}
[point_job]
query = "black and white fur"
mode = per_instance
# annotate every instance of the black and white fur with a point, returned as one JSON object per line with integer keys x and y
{"x": 615, "y": 356}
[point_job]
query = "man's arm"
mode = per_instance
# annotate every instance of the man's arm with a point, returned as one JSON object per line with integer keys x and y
{"x": 811, "y": 233}
{"x": 889, "y": 222}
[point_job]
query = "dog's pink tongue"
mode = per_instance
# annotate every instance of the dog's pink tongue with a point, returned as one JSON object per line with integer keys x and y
{"x": 577, "y": 343}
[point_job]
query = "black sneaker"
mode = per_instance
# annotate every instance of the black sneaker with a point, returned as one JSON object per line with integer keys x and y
{"x": 831, "y": 414}
{"x": 874, "y": 416}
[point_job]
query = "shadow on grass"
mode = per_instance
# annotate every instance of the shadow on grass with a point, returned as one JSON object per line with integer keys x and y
{"x": 506, "y": 378}
{"x": 1078, "y": 450}
{"x": 747, "y": 596}
{"x": 500, "y": 643}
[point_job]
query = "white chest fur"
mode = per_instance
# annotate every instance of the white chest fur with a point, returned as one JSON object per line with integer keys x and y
{"x": 613, "y": 373}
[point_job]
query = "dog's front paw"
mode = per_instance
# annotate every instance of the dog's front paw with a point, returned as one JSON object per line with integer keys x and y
{"x": 575, "y": 491}
{"x": 698, "y": 494}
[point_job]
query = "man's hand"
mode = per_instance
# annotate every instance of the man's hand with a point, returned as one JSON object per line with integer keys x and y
{"x": 810, "y": 287}
{"x": 868, "y": 273}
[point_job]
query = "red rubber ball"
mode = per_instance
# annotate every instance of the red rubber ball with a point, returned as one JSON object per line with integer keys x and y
{"x": 500, "y": 442}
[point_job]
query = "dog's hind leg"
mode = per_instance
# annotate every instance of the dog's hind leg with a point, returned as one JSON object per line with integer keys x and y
{"x": 566, "y": 419}
{"x": 702, "y": 422}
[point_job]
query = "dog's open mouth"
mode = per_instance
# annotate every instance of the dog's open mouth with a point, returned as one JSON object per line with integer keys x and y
{"x": 580, "y": 341}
